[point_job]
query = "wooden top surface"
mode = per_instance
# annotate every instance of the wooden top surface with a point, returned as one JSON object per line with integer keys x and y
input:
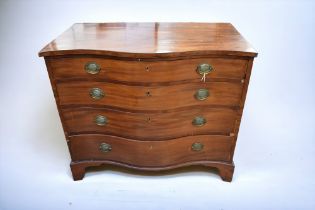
{"x": 138, "y": 40}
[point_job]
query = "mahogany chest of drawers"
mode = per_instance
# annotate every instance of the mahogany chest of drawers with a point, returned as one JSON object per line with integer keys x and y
{"x": 150, "y": 96}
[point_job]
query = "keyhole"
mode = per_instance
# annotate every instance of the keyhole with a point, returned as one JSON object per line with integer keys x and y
{"x": 148, "y": 93}
{"x": 147, "y": 68}
{"x": 148, "y": 119}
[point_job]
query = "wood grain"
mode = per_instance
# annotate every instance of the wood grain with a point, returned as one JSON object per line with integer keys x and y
{"x": 151, "y": 153}
{"x": 149, "y": 97}
{"x": 150, "y": 126}
{"x": 150, "y": 40}
{"x": 152, "y": 132}
{"x": 225, "y": 169}
{"x": 243, "y": 98}
{"x": 147, "y": 71}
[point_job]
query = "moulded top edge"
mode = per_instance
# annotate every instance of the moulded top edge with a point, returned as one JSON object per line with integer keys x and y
{"x": 150, "y": 40}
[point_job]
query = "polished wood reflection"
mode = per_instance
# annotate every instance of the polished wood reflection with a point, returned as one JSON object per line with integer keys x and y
{"x": 149, "y": 74}
{"x": 150, "y": 40}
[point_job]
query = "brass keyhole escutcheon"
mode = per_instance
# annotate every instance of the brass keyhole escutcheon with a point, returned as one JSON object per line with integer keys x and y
{"x": 104, "y": 147}
{"x": 97, "y": 93}
{"x": 92, "y": 68}
{"x": 197, "y": 146}
{"x": 148, "y": 94}
{"x": 101, "y": 120}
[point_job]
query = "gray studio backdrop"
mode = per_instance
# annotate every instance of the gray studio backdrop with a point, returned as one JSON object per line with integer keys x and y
{"x": 275, "y": 153}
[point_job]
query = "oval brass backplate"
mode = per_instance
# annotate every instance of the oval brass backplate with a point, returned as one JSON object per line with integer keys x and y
{"x": 101, "y": 120}
{"x": 202, "y": 94}
{"x": 197, "y": 146}
{"x": 204, "y": 68}
{"x": 104, "y": 147}
{"x": 92, "y": 68}
{"x": 199, "y": 121}
{"x": 97, "y": 93}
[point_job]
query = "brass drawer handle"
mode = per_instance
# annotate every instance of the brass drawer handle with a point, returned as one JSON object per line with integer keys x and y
{"x": 92, "y": 68}
{"x": 104, "y": 147}
{"x": 199, "y": 121}
{"x": 97, "y": 93}
{"x": 204, "y": 68}
{"x": 197, "y": 146}
{"x": 202, "y": 94}
{"x": 101, "y": 120}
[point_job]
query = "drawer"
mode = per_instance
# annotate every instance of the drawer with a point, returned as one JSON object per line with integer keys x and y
{"x": 146, "y": 126}
{"x": 149, "y": 97}
{"x": 151, "y": 153}
{"x": 145, "y": 71}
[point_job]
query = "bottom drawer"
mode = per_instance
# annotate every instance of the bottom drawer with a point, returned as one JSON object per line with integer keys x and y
{"x": 151, "y": 153}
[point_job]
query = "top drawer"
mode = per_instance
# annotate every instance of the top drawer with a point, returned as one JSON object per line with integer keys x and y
{"x": 145, "y": 71}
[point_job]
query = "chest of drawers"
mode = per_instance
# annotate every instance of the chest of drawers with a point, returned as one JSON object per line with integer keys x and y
{"x": 150, "y": 96}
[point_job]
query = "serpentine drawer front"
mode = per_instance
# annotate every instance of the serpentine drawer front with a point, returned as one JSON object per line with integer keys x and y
{"x": 141, "y": 70}
{"x": 151, "y": 126}
{"x": 150, "y": 96}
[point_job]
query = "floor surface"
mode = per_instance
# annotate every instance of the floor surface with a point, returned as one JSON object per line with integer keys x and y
{"x": 275, "y": 153}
